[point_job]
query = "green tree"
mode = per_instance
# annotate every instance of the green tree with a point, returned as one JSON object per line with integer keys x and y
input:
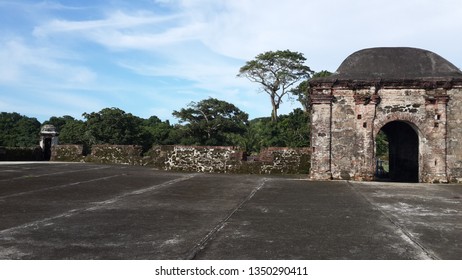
{"x": 158, "y": 130}
{"x": 301, "y": 92}
{"x": 381, "y": 142}
{"x": 59, "y": 122}
{"x": 276, "y": 72}
{"x": 18, "y": 130}
{"x": 211, "y": 122}
{"x": 291, "y": 130}
{"x": 74, "y": 132}
{"x": 294, "y": 129}
{"x": 114, "y": 126}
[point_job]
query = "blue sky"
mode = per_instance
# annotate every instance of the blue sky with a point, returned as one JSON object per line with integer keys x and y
{"x": 150, "y": 57}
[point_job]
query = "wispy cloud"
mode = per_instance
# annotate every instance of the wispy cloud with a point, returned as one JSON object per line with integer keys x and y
{"x": 115, "y": 21}
{"x": 157, "y": 56}
{"x": 25, "y": 64}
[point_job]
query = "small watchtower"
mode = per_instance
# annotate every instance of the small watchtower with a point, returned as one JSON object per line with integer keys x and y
{"x": 48, "y": 138}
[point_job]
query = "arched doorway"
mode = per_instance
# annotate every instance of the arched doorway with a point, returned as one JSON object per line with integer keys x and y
{"x": 403, "y": 152}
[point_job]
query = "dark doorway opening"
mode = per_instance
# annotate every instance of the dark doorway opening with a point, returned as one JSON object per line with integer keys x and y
{"x": 403, "y": 153}
{"x": 47, "y": 149}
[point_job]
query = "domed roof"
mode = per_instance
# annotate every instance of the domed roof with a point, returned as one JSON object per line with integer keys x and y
{"x": 48, "y": 129}
{"x": 395, "y": 63}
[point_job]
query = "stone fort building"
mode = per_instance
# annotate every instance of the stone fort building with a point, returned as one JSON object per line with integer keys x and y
{"x": 412, "y": 95}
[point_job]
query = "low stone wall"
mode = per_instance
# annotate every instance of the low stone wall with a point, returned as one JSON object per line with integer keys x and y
{"x": 219, "y": 159}
{"x": 67, "y": 153}
{"x": 117, "y": 154}
{"x": 21, "y": 154}
{"x": 216, "y": 159}
{"x": 277, "y": 160}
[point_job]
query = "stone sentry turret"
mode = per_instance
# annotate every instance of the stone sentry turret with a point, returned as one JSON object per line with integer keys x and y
{"x": 48, "y": 139}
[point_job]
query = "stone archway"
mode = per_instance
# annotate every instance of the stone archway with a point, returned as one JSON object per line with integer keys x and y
{"x": 403, "y": 148}
{"x": 412, "y": 94}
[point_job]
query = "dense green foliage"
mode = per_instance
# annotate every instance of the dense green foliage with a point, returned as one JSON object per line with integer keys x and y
{"x": 208, "y": 122}
{"x": 276, "y": 72}
{"x": 291, "y": 130}
{"x": 112, "y": 126}
{"x": 18, "y": 131}
{"x": 301, "y": 92}
{"x": 211, "y": 122}
{"x": 381, "y": 142}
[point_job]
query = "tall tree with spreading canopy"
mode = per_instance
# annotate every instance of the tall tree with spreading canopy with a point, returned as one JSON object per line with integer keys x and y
{"x": 276, "y": 72}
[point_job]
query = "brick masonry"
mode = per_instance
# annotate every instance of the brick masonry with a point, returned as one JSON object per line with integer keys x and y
{"x": 413, "y": 95}
{"x": 347, "y": 117}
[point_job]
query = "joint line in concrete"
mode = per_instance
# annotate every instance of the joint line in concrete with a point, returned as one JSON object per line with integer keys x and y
{"x": 60, "y": 186}
{"x": 405, "y": 234}
{"x": 54, "y": 173}
{"x": 200, "y": 246}
{"x": 96, "y": 206}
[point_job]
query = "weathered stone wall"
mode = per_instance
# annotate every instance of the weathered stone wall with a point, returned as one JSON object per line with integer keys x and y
{"x": 201, "y": 158}
{"x": 282, "y": 160}
{"x": 344, "y": 129}
{"x": 413, "y": 96}
{"x": 21, "y": 154}
{"x": 116, "y": 154}
{"x": 345, "y": 154}
{"x": 217, "y": 159}
{"x": 321, "y": 134}
{"x": 229, "y": 160}
{"x": 67, "y": 153}
{"x": 454, "y": 137}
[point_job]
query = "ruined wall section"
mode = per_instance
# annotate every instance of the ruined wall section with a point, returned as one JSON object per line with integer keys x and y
{"x": 345, "y": 153}
{"x": 216, "y": 159}
{"x": 203, "y": 159}
{"x": 321, "y": 133}
{"x": 434, "y": 153}
{"x": 283, "y": 160}
{"x": 366, "y": 101}
{"x": 117, "y": 154}
{"x": 72, "y": 153}
{"x": 454, "y": 137}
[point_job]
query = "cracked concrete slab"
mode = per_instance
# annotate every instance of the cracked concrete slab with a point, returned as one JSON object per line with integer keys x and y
{"x": 87, "y": 211}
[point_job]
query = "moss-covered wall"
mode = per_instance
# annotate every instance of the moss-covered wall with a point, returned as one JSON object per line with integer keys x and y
{"x": 67, "y": 153}
{"x": 203, "y": 159}
{"x": 276, "y": 160}
{"x": 221, "y": 159}
{"x": 117, "y": 154}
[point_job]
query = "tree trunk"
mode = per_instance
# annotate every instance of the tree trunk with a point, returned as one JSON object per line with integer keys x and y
{"x": 274, "y": 113}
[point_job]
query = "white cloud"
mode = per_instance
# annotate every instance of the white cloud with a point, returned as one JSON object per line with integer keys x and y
{"x": 116, "y": 20}
{"x": 139, "y": 31}
{"x": 325, "y": 32}
{"x": 29, "y": 65}
{"x": 179, "y": 51}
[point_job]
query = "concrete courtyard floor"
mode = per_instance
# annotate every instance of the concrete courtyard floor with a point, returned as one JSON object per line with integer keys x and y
{"x": 87, "y": 211}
